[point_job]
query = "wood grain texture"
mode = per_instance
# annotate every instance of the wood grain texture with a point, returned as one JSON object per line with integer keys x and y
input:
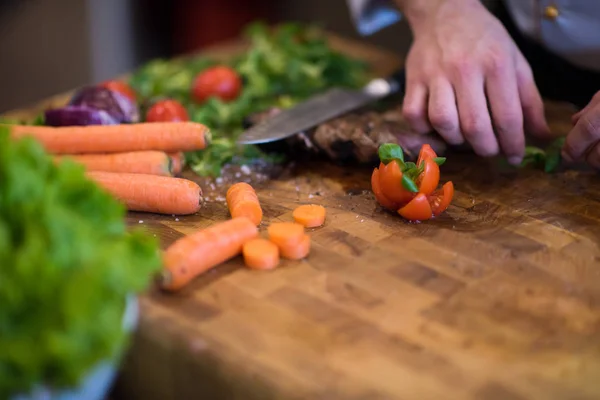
{"x": 498, "y": 298}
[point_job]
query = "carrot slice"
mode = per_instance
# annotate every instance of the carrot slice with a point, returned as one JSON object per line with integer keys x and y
{"x": 151, "y": 193}
{"x": 285, "y": 234}
{"x": 296, "y": 251}
{"x": 163, "y": 136}
{"x": 177, "y": 162}
{"x": 134, "y": 162}
{"x": 310, "y": 215}
{"x": 195, "y": 254}
{"x": 242, "y": 201}
{"x": 260, "y": 253}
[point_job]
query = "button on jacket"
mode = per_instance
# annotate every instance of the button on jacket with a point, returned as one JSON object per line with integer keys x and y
{"x": 568, "y": 28}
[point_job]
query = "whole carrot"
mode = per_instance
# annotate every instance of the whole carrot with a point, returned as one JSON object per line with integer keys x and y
{"x": 151, "y": 193}
{"x": 177, "y": 162}
{"x": 242, "y": 201}
{"x": 163, "y": 136}
{"x": 195, "y": 254}
{"x": 134, "y": 162}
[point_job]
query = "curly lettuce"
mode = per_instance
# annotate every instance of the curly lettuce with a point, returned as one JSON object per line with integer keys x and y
{"x": 67, "y": 265}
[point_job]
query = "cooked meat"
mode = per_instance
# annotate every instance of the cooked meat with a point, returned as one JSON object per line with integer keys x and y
{"x": 356, "y": 136}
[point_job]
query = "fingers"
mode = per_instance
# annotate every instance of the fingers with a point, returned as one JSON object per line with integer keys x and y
{"x": 531, "y": 100}
{"x": 507, "y": 114}
{"x": 593, "y": 156}
{"x": 442, "y": 111}
{"x": 581, "y": 142}
{"x": 414, "y": 107}
{"x": 474, "y": 116}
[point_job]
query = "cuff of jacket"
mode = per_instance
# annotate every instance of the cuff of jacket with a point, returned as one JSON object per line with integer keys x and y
{"x": 370, "y": 16}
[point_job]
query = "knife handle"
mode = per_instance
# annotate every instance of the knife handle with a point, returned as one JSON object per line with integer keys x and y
{"x": 397, "y": 81}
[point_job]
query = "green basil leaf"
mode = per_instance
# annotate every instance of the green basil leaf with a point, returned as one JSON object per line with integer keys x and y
{"x": 439, "y": 160}
{"x": 409, "y": 184}
{"x": 410, "y": 165}
{"x": 552, "y": 162}
{"x": 389, "y": 152}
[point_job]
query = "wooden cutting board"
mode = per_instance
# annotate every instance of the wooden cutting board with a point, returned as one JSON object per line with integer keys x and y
{"x": 499, "y": 298}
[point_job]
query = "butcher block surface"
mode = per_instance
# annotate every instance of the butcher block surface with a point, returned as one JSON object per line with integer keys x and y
{"x": 498, "y": 298}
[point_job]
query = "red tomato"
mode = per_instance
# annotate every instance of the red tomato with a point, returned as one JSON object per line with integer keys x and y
{"x": 428, "y": 180}
{"x": 390, "y": 178}
{"x": 167, "y": 111}
{"x": 220, "y": 81}
{"x": 381, "y": 199}
{"x": 425, "y": 152}
{"x": 120, "y": 87}
{"x": 441, "y": 199}
{"x": 418, "y": 209}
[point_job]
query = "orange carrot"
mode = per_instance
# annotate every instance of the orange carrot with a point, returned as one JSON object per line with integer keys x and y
{"x": 151, "y": 193}
{"x": 260, "y": 253}
{"x": 285, "y": 234}
{"x": 243, "y": 202}
{"x": 177, "y": 162}
{"x": 134, "y": 162}
{"x": 195, "y": 254}
{"x": 296, "y": 251}
{"x": 163, "y": 136}
{"x": 310, "y": 215}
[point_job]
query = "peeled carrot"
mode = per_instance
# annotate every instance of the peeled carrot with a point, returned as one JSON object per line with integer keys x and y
{"x": 151, "y": 193}
{"x": 134, "y": 162}
{"x": 285, "y": 234}
{"x": 177, "y": 162}
{"x": 296, "y": 251}
{"x": 195, "y": 254}
{"x": 163, "y": 136}
{"x": 310, "y": 215}
{"x": 260, "y": 253}
{"x": 242, "y": 201}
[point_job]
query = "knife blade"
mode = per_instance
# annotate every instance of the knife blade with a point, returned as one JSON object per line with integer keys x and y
{"x": 321, "y": 108}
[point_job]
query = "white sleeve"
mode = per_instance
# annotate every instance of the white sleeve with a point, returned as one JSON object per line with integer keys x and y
{"x": 370, "y": 16}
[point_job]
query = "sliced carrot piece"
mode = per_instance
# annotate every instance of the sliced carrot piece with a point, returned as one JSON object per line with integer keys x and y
{"x": 296, "y": 251}
{"x": 134, "y": 162}
{"x": 261, "y": 254}
{"x": 310, "y": 215}
{"x": 242, "y": 201}
{"x": 197, "y": 253}
{"x": 163, "y": 136}
{"x": 151, "y": 193}
{"x": 285, "y": 234}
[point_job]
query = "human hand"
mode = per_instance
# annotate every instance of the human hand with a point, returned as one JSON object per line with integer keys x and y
{"x": 461, "y": 60}
{"x": 583, "y": 141}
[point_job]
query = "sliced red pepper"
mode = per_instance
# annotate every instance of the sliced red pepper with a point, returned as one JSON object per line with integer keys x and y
{"x": 376, "y": 188}
{"x": 390, "y": 178}
{"x": 428, "y": 180}
{"x": 441, "y": 198}
{"x": 418, "y": 209}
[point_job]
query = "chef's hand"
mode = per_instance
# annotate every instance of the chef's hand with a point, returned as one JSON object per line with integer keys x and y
{"x": 583, "y": 142}
{"x": 461, "y": 59}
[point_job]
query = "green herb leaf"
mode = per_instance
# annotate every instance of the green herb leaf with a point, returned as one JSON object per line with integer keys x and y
{"x": 409, "y": 184}
{"x": 389, "y": 152}
{"x": 409, "y": 165}
{"x": 439, "y": 160}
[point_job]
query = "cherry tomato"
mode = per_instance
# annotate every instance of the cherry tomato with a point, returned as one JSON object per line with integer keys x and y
{"x": 167, "y": 111}
{"x": 381, "y": 199}
{"x": 428, "y": 180}
{"x": 418, "y": 209}
{"x": 441, "y": 198}
{"x": 425, "y": 152}
{"x": 120, "y": 87}
{"x": 390, "y": 178}
{"x": 220, "y": 81}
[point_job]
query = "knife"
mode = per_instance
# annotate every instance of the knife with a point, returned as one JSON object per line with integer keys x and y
{"x": 321, "y": 108}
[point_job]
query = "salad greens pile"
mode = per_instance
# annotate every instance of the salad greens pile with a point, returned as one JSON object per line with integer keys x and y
{"x": 281, "y": 67}
{"x": 67, "y": 265}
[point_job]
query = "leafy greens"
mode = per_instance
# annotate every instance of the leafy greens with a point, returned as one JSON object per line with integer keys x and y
{"x": 67, "y": 265}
